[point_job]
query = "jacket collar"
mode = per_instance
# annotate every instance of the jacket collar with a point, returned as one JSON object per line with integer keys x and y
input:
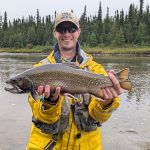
{"x": 58, "y": 58}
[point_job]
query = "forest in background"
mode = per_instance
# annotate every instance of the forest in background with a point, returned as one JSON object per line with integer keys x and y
{"x": 121, "y": 30}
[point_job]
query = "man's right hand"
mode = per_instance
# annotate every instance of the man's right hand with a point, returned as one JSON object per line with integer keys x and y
{"x": 47, "y": 92}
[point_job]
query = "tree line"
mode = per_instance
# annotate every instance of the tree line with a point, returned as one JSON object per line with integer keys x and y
{"x": 132, "y": 28}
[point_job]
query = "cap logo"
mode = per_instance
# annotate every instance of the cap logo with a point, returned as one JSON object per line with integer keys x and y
{"x": 66, "y": 15}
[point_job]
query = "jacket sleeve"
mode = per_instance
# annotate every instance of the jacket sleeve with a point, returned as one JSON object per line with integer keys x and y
{"x": 50, "y": 115}
{"x": 96, "y": 110}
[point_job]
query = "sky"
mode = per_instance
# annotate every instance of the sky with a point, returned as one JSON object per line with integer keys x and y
{"x": 24, "y": 8}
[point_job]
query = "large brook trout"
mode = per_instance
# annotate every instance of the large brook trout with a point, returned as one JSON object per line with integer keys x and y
{"x": 69, "y": 77}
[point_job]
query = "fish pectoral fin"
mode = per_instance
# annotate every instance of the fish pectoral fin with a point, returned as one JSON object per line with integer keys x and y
{"x": 34, "y": 95}
{"x": 76, "y": 100}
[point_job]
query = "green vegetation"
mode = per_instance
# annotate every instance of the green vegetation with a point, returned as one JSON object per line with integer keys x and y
{"x": 107, "y": 50}
{"x": 96, "y": 50}
{"x": 36, "y": 49}
{"x": 121, "y": 33}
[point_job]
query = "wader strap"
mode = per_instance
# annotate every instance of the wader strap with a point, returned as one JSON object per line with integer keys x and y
{"x": 83, "y": 120}
{"x": 63, "y": 121}
{"x": 44, "y": 127}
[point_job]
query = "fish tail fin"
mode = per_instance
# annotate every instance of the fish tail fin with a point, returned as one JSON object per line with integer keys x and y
{"x": 123, "y": 77}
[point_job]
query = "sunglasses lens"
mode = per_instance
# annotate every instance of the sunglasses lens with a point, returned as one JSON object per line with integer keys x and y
{"x": 63, "y": 29}
{"x": 59, "y": 29}
{"x": 72, "y": 30}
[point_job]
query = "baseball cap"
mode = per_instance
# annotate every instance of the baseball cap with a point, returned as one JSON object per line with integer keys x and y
{"x": 66, "y": 16}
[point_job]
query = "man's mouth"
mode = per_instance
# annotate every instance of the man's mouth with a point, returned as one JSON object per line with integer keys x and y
{"x": 66, "y": 40}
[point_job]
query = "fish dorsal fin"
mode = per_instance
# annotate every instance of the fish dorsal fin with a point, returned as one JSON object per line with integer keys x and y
{"x": 72, "y": 64}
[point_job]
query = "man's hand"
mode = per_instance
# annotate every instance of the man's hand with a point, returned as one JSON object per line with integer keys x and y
{"x": 47, "y": 92}
{"x": 111, "y": 92}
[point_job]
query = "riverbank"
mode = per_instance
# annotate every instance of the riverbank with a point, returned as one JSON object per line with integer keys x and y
{"x": 127, "y": 50}
{"x": 97, "y": 50}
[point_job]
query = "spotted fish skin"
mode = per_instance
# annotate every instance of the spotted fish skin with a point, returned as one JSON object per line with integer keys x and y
{"x": 69, "y": 77}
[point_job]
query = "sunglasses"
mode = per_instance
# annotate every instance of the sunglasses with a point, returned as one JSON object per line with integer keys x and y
{"x": 63, "y": 29}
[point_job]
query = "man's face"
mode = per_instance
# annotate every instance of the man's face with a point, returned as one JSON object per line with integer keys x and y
{"x": 67, "y": 35}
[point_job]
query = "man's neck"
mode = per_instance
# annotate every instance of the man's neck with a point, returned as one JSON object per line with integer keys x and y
{"x": 68, "y": 53}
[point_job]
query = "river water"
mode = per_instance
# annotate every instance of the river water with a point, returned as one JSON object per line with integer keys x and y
{"x": 127, "y": 129}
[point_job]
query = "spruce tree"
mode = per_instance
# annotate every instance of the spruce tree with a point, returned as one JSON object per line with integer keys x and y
{"x": 99, "y": 26}
{"x": 141, "y": 11}
{"x": 83, "y": 26}
{"x": 5, "y": 24}
{"x": 107, "y": 35}
{"x": 1, "y": 35}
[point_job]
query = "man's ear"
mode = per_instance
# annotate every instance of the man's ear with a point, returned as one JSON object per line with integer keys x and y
{"x": 78, "y": 32}
{"x": 55, "y": 34}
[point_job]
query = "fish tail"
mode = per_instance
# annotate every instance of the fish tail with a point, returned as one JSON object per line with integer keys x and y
{"x": 123, "y": 77}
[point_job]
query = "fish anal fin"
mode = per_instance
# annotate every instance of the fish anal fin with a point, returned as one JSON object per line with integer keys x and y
{"x": 34, "y": 95}
{"x": 98, "y": 93}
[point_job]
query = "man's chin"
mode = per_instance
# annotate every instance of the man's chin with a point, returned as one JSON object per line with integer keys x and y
{"x": 68, "y": 46}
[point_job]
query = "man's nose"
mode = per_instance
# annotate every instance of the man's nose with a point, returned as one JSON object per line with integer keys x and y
{"x": 66, "y": 32}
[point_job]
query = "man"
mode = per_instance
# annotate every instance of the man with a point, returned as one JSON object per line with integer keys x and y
{"x": 59, "y": 121}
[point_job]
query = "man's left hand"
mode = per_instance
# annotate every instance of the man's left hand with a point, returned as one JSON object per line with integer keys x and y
{"x": 111, "y": 92}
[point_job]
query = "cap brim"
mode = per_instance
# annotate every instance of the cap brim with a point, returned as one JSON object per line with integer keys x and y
{"x": 66, "y": 21}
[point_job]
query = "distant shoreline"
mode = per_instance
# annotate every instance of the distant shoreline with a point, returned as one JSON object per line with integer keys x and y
{"x": 127, "y": 55}
{"x": 93, "y": 54}
{"x": 131, "y": 51}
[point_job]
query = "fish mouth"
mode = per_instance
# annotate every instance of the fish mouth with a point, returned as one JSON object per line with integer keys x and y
{"x": 13, "y": 87}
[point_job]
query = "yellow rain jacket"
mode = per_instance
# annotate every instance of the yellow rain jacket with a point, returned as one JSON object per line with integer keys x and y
{"x": 72, "y": 139}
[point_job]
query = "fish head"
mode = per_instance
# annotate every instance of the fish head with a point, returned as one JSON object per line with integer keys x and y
{"x": 18, "y": 85}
